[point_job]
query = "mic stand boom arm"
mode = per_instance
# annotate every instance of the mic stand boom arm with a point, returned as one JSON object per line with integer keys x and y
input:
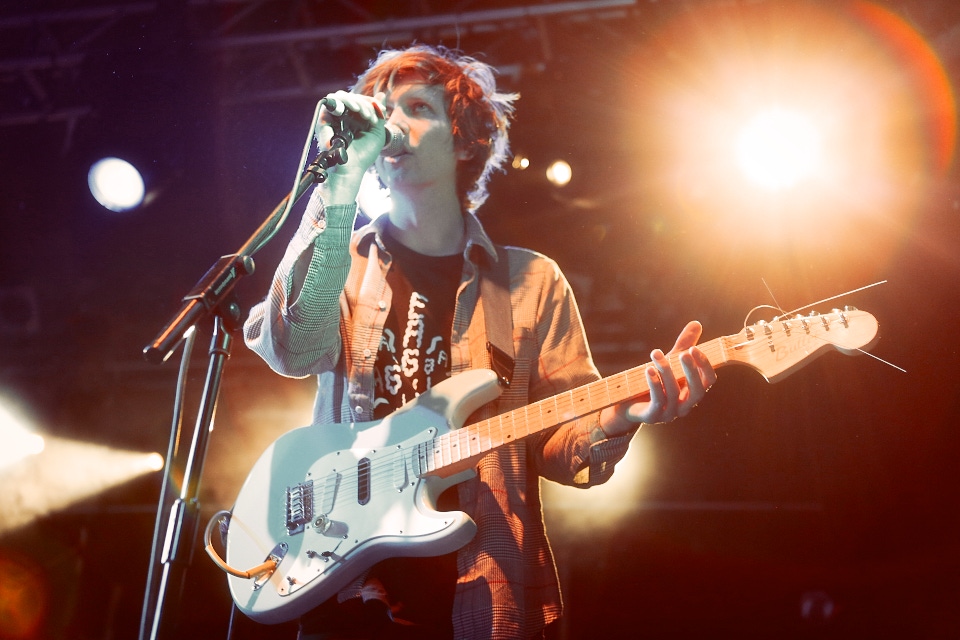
{"x": 218, "y": 282}
{"x": 213, "y": 295}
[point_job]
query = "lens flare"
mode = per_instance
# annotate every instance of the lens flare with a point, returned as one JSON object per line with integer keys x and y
{"x": 778, "y": 148}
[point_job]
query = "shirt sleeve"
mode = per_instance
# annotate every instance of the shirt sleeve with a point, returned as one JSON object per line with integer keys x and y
{"x": 572, "y": 454}
{"x": 296, "y": 328}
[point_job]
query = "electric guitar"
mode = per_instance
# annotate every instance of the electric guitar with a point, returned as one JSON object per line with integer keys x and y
{"x": 324, "y": 503}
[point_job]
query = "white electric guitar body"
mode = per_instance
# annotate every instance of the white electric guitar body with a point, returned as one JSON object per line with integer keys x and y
{"x": 324, "y": 503}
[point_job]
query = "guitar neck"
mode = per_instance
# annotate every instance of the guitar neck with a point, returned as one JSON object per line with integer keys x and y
{"x": 775, "y": 349}
{"x": 461, "y": 448}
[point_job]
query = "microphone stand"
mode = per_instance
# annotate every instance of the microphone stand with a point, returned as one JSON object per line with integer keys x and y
{"x": 212, "y": 296}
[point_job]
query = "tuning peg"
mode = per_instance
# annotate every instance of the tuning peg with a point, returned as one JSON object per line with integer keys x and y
{"x": 841, "y": 314}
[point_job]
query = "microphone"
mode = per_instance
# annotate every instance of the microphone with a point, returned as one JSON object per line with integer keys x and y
{"x": 394, "y": 141}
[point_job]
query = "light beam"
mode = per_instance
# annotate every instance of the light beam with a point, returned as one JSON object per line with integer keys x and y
{"x": 65, "y": 473}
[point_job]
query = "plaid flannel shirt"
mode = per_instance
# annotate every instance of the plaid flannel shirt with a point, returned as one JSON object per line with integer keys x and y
{"x": 331, "y": 327}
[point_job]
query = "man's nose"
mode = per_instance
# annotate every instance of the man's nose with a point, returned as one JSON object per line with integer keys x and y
{"x": 399, "y": 120}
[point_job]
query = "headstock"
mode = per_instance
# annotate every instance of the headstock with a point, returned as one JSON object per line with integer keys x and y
{"x": 781, "y": 346}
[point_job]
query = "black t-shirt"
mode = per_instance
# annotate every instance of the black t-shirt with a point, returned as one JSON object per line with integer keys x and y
{"x": 414, "y": 352}
{"x": 414, "y": 355}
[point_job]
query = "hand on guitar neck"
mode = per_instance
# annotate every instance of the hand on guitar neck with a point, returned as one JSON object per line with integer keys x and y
{"x": 670, "y": 397}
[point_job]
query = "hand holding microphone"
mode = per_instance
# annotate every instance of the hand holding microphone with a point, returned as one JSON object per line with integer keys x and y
{"x": 357, "y": 121}
{"x": 359, "y": 117}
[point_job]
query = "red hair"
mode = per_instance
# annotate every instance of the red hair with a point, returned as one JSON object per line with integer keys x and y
{"x": 479, "y": 115}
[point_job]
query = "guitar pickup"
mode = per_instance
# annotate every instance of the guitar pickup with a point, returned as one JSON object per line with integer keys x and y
{"x": 328, "y": 496}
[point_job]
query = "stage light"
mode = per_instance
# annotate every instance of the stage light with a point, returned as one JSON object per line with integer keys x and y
{"x": 792, "y": 127}
{"x": 559, "y": 173}
{"x": 154, "y": 462}
{"x": 65, "y": 473}
{"x": 520, "y": 162}
{"x": 19, "y": 441}
{"x": 116, "y": 184}
{"x": 778, "y": 148}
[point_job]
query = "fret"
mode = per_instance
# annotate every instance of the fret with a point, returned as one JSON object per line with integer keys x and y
{"x": 588, "y": 402}
{"x": 565, "y": 408}
{"x": 461, "y": 445}
{"x": 518, "y": 423}
{"x": 483, "y": 436}
{"x": 508, "y": 426}
{"x": 533, "y": 418}
{"x": 437, "y": 453}
{"x": 637, "y": 381}
{"x": 474, "y": 433}
{"x": 447, "y": 448}
{"x": 501, "y": 430}
{"x": 602, "y": 394}
{"x": 549, "y": 410}
{"x": 617, "y": 388}
{"x": 439, "y": 446}
{"x": 581, "y": 402}
{"x": 530, "y": 425}
{"x": 515, "y": 425}
{"x": 429, "y": 455}
{"x": 456, "y": 447}
{"x": 466, "y": 440}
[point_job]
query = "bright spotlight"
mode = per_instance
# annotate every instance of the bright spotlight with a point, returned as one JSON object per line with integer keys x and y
{"x": 46, "y": 483}
{"x": 18, "y": 441}
{"x": 778, "y": 148}
{"x": 559, "y": 173}
{"x": 153, "y": 462}
{"x": 520, "y": 162}
{"x": 116, "y": 184}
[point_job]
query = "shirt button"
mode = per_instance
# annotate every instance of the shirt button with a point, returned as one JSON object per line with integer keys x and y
{"x": 358, "y": 410}
{"x": 383, "y": 305}
{"x": 366, "y": 353}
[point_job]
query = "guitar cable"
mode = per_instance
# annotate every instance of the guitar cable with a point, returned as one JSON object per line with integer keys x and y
{"x": 267, "y": 567}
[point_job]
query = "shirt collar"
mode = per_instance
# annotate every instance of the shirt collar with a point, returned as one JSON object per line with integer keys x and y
{"x": 476, "y": 236}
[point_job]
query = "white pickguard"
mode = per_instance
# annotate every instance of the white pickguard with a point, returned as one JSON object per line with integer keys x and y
{"x": 359, "y": 512}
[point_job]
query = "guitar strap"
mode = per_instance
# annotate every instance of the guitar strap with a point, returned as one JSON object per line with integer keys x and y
{"x": 498, "y": 315}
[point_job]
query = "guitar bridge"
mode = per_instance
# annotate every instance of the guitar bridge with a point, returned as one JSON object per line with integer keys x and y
{"x": 299, "y": 507}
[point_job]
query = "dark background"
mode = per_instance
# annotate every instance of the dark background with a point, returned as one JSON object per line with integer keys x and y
{"x": 824, "y": 506}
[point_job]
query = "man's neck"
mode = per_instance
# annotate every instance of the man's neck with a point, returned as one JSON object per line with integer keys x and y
{"x": 433, "y": 228}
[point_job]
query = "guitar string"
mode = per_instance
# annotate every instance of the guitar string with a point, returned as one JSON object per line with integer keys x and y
{"x": 829, "y": 299}
{"x": 438, "y": 450}
{"x": 445, "y": 449}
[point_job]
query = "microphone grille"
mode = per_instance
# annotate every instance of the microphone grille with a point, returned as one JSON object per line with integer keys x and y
{"x": 394, "y": 143}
